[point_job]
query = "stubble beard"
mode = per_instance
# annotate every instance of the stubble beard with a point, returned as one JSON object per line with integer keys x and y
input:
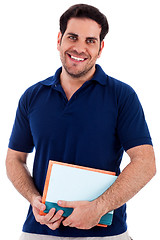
{"x": 77, "y": 74}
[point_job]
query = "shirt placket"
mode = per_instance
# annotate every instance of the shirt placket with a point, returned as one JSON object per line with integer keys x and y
{"x": 59, "y": 88}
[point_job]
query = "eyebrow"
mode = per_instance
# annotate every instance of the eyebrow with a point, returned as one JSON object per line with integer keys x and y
{"x": 92, "y": 38}
{"x": 73, "y": 34}
{"x": 87, "y": 38}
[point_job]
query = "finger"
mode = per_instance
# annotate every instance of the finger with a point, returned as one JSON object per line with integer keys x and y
{"x": 68, "y": 204}
{"x": 46, "y": 219}
{"x": 38, "y": 217}
{"x": 38, "y": 204}
{"x": 68, "y": 221}
{"x": 57, "y": 216}
{"x": 67, "y": 224}
{"x": 56, "y": 224}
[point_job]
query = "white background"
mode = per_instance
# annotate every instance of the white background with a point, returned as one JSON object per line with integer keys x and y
{"x": 28, "y": 54}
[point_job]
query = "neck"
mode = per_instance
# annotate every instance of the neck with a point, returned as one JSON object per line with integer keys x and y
{"x": 70, "y": 84}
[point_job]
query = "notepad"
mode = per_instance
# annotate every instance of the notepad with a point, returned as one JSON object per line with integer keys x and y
{"x": 75, "y": 183}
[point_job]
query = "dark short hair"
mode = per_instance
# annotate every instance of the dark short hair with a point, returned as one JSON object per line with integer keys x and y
{"x": 85, "y": 11}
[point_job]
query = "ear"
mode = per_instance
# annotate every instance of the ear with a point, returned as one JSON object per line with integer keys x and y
{"x": 59, "y": 40}
{"x": 101, "y": 48}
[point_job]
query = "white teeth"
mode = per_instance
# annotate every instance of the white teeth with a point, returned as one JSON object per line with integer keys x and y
{"x": 77, "y": 59}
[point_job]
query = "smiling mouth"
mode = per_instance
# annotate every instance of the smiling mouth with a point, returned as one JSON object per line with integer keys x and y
{"x": 77, "y": 59}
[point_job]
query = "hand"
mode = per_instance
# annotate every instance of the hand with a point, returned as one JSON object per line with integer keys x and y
{"x": 51, "y": 219}
{"x": 85, "y": 214}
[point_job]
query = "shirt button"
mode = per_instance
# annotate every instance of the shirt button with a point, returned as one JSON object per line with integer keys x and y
{"x": 55, "y": 85}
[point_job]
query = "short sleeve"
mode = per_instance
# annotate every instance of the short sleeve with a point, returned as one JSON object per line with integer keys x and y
{"x": 21, "y": 137}
{"x": 132, "y": 127}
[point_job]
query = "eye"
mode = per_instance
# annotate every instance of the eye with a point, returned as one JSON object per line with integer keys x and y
{"x": 72, "y": 38}
{"x": 91, "y": 41}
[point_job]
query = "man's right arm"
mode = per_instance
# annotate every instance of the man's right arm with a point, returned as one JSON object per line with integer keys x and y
{"x": 22, "y": 180}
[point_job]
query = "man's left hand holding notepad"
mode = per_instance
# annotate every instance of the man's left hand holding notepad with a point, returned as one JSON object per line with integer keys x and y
{"x": 85, "y": 214}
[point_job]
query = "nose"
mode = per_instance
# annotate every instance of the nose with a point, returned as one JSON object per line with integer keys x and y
{"x": 80, "y": 47}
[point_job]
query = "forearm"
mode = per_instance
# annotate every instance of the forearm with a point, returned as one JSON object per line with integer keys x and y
{"x": 132, "y": 179}
{"x": 20, "y": 176}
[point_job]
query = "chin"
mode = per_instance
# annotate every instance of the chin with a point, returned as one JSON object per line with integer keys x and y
{"x": 78, "y": 74}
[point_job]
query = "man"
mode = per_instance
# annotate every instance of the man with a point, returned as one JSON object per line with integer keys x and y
{"x": 84, "y": 117}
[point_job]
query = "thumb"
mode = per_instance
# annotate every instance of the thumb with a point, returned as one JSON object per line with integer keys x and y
{"x": 37, "y": 203}
{"x": 67, "y": 204}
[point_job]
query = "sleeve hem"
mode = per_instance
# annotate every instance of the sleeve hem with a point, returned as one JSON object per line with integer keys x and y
{"x": 19, "y": 148}
{"x": 137, "y": 142}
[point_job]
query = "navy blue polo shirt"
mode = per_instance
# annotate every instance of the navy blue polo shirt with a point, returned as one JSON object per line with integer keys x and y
{"x": 102, "y": 119}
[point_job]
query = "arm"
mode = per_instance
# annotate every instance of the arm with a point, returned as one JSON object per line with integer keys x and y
{"x": 22, "y": 180}
{"x": 19, "y": 175}
{"x": 132, "y": 179}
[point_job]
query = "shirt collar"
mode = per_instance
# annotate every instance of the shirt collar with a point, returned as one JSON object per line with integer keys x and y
{"x": 100, "y": 76}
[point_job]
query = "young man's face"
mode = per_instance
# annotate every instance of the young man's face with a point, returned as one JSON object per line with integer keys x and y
{"x": 80, "y": 47}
